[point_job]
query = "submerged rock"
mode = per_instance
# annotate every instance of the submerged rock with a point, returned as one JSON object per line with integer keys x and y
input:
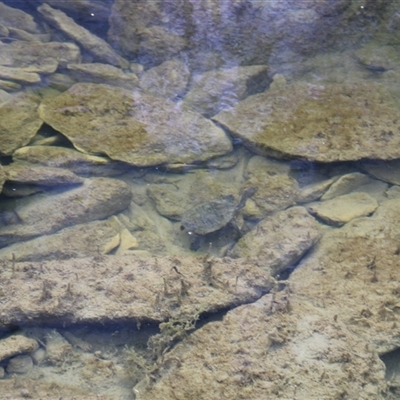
{"x": 97, "y": 198}
{"x": 168, "y": 79}
{"x": 38, "y": 175}
{"x": 213, "y": 91}
{"x": 326, "y": 123}
{"x": 71, "y": 159}
{"x": 141, "y": 129}
{"x": 82, "y": 240}
{"x": 103, "y": 73}
{"x": 280, "y": 240}
{"x": 128, "y": 288}
{"x": 343, "y": 209}
{"x": 12, "y": 17}
{"x": 92, "y": 43}
{"x": 19, "y": 122}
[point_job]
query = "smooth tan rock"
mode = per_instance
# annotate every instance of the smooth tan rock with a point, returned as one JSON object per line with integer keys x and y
{"x": 16, "y": 344}
{"x": 92, "y": 43}
{"x": 326, "y": 123}
{"x": 128, "y": 242}
{"x": 19, "y": 122}
{"x": 141, "y": 130}
{"x": 9, "y": 86}
{"x": 343, "y": 209}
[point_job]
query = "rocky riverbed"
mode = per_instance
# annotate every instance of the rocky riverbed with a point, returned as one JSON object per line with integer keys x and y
{"x": 199, "y": 201}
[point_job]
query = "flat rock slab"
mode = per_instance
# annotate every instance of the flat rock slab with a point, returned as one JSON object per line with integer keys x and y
{"x": 25, "y": 54}
{"x": 39, "y": 175}
{"x": 141, "y": 130}
{"x": 279, "y": 347}
{"x": 13, "y": 17}
{"x": 213, "y": 91}
{"x": 343, "y": 209}
{"x": 346, "y": 184}
{"x": 96, "y": 198}
{"x": 71, "y": 159}
{"x": 82, "y": 240}
{"x": 19, "y": 122}
{"x": 16, "y": 344}
{"x": 92, "y": 43}
{"x": 113, "y": 289}
{"x": 280, "y": 240}
{"x": 19, "y": 75}
{"x": 326, "y": 123}
{"x": 103, "y": 73}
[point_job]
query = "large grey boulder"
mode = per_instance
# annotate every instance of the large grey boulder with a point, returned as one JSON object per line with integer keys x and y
{"x": 240, "y": 32}
{"x": 141, "y": 129}
{"x": 326, "y": 122}
{"x": 19, "y": 121}
{"x": 97, "y": 198}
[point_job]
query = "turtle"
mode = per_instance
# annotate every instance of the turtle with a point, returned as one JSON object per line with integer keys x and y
{"x": 213, "y": 215}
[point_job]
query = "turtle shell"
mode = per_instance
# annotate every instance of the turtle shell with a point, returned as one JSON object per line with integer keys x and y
{"x": 211, "y": 216}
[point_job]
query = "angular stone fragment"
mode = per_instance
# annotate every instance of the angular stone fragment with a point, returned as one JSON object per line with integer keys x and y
{"x": 116, "y": 289}
{"x": 16, "y": 344}
{"x": 343, "y": 209}
{"x": 213, "y": 91}
{"x": 82, "y": 240}
{"x": 314, "y": 191}
{"x": 345, "y": 184}
{"x": 141, "y": 129}
{"x": 280, "y": 240}
{"x": 17, "y": 19}
{"x": 92, "y": 43}
{"x": 103, "y": 73}
{"x": 38, "y": 175}
{"x": 73, "y": 160}
{"x": 168, "y": 79}
{"x": 97, "y": 198}
{"x": 19, "y": 122}
{"x": 326, "y": 123}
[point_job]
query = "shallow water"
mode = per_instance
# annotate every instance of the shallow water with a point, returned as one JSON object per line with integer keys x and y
{"x": 130, "y": 258}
